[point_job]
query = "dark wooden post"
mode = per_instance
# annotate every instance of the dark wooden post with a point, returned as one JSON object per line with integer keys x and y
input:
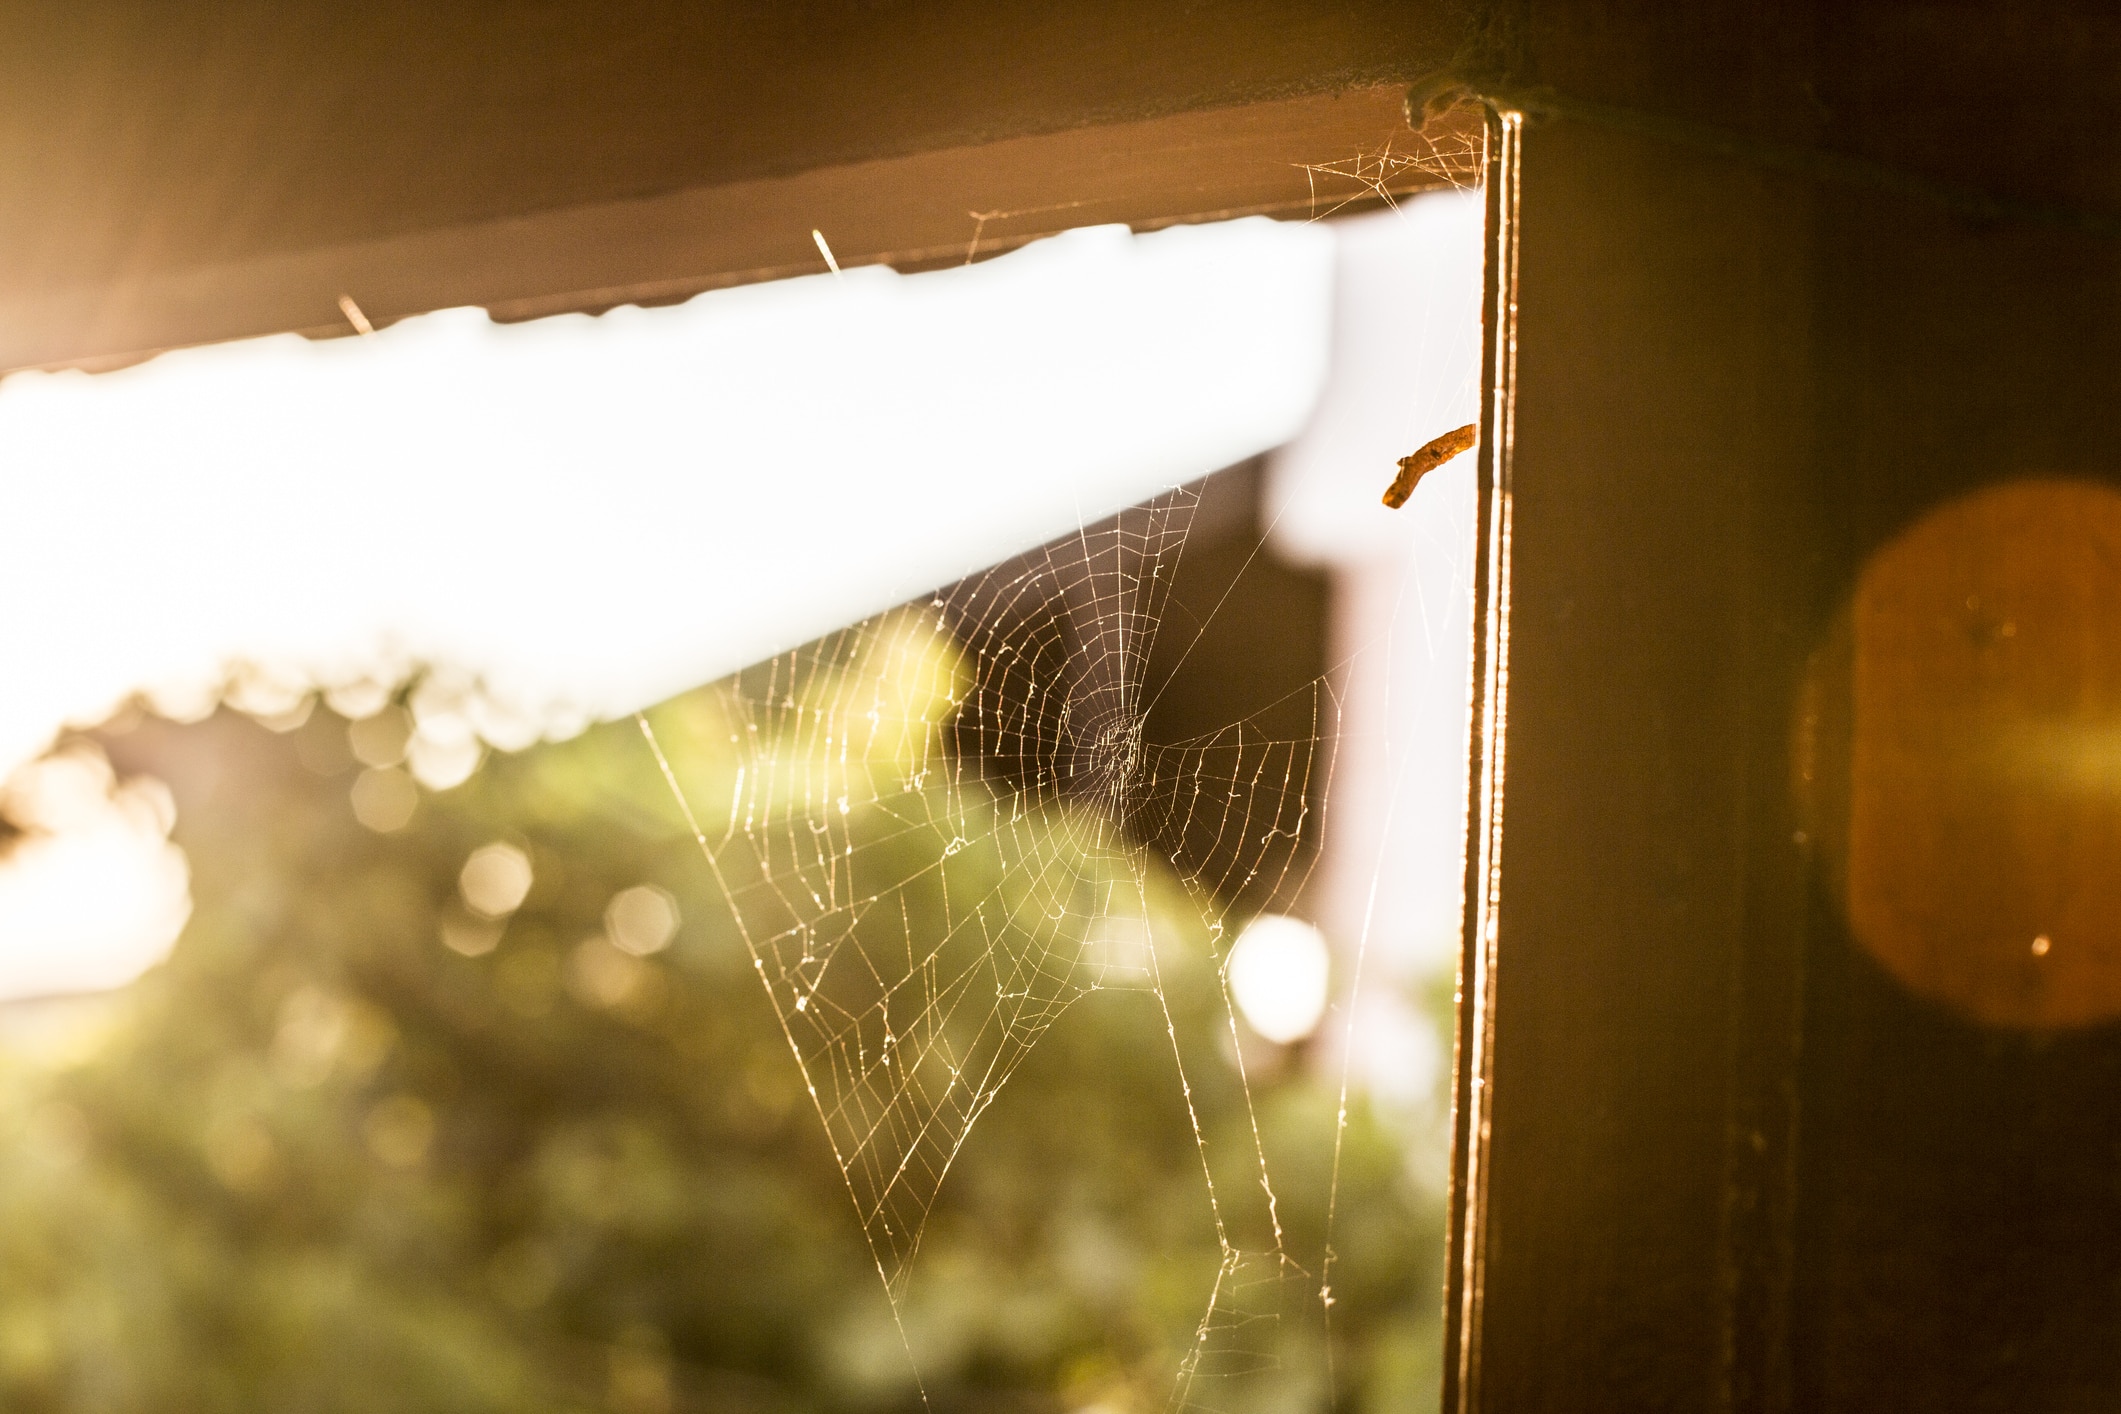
{"x": 1716, "y": 1154}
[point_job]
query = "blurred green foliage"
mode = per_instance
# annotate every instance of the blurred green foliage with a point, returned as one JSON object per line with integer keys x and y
{"x": 320, "y": 1160}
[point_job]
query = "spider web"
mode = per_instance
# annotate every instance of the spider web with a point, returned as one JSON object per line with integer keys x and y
{"x": 1397, "y": 170}
{"x": 946, "y": 824}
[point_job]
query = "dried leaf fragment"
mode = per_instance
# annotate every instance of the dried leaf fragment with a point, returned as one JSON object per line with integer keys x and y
{"x": 1412, "y": 469}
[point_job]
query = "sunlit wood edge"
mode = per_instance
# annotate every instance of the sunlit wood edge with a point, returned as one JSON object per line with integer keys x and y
{"x": 1295, "y": 158}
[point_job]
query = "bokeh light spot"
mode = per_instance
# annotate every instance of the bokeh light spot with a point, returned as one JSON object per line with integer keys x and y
{"x": 495, "y": 880}
{"x": 642, "y": 919}
{"x": 92, "y": 890}
{"x": 1278, "y": 971}
{"x": 380, "y": 740}
{"x": 384, "y": 799}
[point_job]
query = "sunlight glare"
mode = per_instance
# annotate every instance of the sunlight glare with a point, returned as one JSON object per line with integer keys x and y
{"x": 92, "y": 892}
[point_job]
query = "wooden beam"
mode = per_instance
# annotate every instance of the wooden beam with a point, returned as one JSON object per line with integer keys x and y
{"x": 1297, "y": 158}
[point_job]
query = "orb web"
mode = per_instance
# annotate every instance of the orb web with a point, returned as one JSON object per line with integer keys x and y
{"x": 938, "y": 829}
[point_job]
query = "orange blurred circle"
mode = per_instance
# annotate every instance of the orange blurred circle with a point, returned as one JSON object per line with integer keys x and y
{"x": 1959, "y": 755}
